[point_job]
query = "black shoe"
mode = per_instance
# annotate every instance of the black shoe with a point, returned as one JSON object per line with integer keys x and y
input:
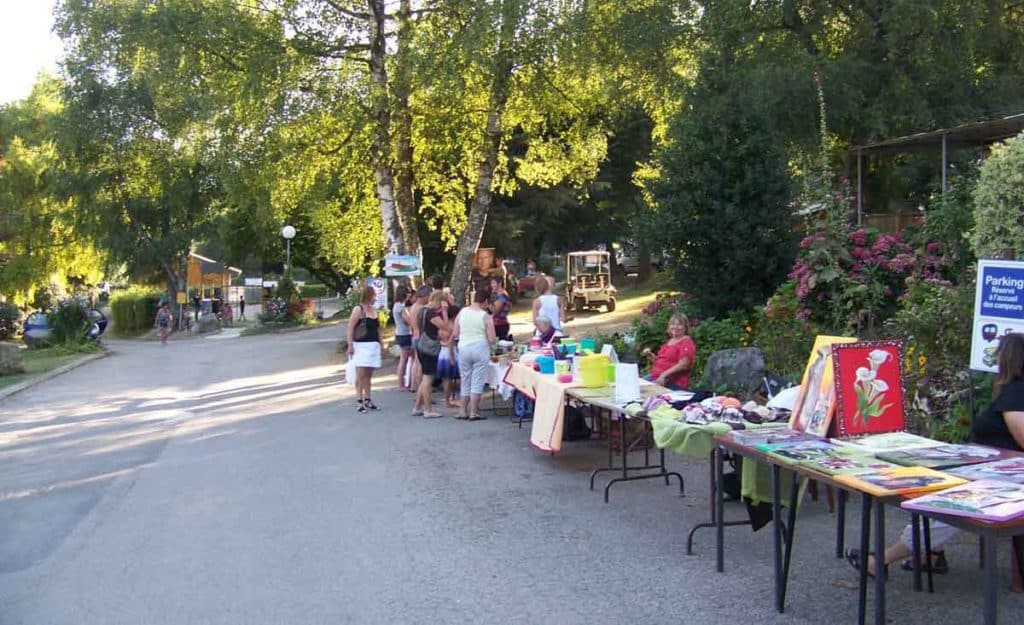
{"x": 372, "y": 406}
{"x": 853, "y": 557}
{"x": 939, "y": 564}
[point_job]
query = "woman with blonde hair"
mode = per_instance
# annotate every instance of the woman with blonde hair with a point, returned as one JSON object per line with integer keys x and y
{"x": 671, "y": 365}
{"x": 547, "y": 304}
{"x": 365, "y": 347}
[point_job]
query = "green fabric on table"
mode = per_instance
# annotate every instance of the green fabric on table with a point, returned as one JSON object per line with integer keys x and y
{"x": 756, "y": 483}
{"x": 697, "y": 441}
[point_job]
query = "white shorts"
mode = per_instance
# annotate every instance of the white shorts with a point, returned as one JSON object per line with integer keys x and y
{"x": 366, "y": 354}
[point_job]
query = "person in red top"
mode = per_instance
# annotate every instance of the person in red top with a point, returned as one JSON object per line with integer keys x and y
{"x": 674, "y": 360}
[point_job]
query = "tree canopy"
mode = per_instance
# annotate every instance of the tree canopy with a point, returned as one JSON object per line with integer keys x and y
{"x": 434, "y": 126}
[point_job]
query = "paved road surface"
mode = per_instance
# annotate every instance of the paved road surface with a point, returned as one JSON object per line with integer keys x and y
{"x": 231, "y": 481}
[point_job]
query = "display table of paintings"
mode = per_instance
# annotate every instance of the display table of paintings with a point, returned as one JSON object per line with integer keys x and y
{"x": 889, "y": 469}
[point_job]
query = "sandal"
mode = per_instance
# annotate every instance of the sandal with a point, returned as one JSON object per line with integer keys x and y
{"x": 939, "y": 564}
{"x": 476, "y": 417}
{"x": 853, "y": 557}
{"x": 369, "y": 404}
{"x": 417, "y": 413}
{"x": 432, "y": 415}
{"x": 461, "y": 417}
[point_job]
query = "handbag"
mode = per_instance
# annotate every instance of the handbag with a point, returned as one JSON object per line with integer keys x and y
{"x": 428, "y": 346}
{"x": 359, "y": 332}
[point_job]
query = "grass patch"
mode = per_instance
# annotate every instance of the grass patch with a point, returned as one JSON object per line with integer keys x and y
{"x": 43, "y": 360}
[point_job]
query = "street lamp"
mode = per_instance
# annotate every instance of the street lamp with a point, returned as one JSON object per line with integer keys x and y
{"x": 288, "y": 232}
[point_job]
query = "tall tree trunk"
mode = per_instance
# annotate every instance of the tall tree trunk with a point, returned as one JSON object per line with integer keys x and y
{"x": 381, "y": 148}
{"x": 469, "y": 241}
{"x": 404, "y": 180}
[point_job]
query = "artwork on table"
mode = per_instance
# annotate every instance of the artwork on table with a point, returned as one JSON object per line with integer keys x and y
{"x": 843, "y": 464}
{"x": 986, "y": 500}
{"x": 901, "y": 481}
{"x": 815, "y": 401}
{"x": 869, "y": 387}
{"x": 890, "y": 441}
{"x": 1006, "y": 470}
{"x": 799, "y": 451}
{"x": 765, "y": 435}
{"x": 943, "y": 456}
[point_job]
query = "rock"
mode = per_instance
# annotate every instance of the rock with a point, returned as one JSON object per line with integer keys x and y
{"x": 741, "y": 368}
{"x": 10, "y": 359}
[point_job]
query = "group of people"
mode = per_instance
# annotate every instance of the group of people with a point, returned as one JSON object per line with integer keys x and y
{"x": 437, "y": 340}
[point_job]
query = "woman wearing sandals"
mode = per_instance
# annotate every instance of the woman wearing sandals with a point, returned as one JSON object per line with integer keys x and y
{"x": 474, "y": 329}
{"x": 431, "y": 321}
{"x": 365, "y": 347}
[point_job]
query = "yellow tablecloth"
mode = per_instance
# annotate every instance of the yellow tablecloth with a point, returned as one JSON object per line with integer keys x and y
{"x": 549, "y": 405}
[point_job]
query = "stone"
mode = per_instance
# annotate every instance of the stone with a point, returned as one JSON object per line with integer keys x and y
{"x": 10, "y": 359}
{"x": 741, "y": 369}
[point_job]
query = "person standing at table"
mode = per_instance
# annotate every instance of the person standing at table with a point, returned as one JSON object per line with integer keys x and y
{"x": 500, "y": 304}
{"x": 431, "y": 321}
{"x": 474, "y": 330}
{"x": 1000, "y": 424}
{"x": 420, "y": 299}
{"x": 674, "y": 360}
{"x": 547, "y": 304}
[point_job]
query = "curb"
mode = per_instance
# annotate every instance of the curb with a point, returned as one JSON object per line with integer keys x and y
{"x": 289, "y": 330}
{"x": 43, "y": 377}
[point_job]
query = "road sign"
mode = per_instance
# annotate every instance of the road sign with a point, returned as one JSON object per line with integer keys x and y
{"x": 998, "y": 309}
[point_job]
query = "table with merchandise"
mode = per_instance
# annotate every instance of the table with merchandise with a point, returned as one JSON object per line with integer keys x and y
{"x": 979, "y": 489}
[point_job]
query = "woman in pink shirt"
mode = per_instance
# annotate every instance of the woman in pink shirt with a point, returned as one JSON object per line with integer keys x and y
{"x": 674, "y": 360}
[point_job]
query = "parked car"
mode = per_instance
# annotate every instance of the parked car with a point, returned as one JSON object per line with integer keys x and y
{"x": 36, "y": 329}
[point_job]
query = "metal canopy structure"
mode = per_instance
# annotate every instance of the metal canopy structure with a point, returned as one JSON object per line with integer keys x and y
{"x": 974, "y": 135}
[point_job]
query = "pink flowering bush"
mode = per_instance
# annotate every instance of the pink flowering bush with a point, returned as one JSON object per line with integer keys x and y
{"x": 851, "y": 278}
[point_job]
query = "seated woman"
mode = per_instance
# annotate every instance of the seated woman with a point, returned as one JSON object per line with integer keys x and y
{"x": 674, "y": 360}
{"x": 546, "y": 332}
{"x": 1000, "y": 424}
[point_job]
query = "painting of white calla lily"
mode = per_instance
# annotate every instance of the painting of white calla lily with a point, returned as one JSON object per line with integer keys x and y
{"x": 869, "y": 387}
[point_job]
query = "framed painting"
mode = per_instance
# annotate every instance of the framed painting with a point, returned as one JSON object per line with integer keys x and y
{"x": 815, "y": 401}
{"x": 869, "y": 387}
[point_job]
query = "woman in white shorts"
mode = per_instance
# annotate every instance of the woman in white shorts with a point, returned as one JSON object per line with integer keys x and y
{"x": 365, "y": 347}
{"x": 474, "y": 329}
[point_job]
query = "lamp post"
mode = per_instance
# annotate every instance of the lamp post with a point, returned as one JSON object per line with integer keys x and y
{"x": 288, "y": 232}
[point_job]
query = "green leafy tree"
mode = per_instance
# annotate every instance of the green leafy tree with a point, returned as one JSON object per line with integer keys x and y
{"x": 999, "y": 202}
{"x": 722, "y": 202}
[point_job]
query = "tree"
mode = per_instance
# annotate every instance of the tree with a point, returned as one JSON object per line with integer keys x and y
{"x": 40, "y": 249}
{"x": 722, "y": 206}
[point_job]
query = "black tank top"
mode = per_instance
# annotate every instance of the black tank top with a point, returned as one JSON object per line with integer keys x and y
{"x": 371, "y": 328}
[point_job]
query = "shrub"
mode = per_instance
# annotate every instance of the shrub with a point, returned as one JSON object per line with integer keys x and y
{"x": 712, "y": 335}
{"x": 69, "y": 323}
{"x": 999, "y": 202}
{"x": 313, "y": 291}
{"x": 10, "y": 321}
{"x": 133, "y": 311}
{"x": 935, "y": 321}
{"x": 784, "y": 338}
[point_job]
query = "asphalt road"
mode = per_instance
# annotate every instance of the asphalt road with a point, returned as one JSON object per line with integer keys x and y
{"x": 232, "y": 481}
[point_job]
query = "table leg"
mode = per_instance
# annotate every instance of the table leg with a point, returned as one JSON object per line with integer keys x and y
{"x": 991, "y": 592}
{"x": 865, "y": 545}
{"x": 790, "y": 530}
{"x": 915, "y": 551}
{"x": 879, "y": 564}
{"x": 777, "y": 532}
{"x": 928, "y": 550}
{"x": 841, "y": 524}
{"x": 719, "y": 510}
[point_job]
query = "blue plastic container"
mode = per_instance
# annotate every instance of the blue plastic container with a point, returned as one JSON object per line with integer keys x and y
{"x": 546, "y": 364}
